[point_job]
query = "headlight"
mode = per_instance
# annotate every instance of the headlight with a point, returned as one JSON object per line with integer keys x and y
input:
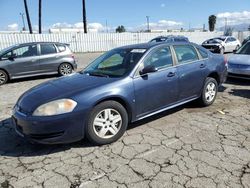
{"x": 56, "y": 107}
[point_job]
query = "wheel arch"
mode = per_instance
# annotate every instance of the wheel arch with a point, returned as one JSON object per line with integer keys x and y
{"x": 6, "y": 72}
{"x": 216, "y": 76}
{"x": 120, "y": 100}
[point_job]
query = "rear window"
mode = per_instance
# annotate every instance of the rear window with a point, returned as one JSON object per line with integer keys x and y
{"x": 48, "y": 49}
{"x": 185, "y": 53}
{"x": 61, "y": 47}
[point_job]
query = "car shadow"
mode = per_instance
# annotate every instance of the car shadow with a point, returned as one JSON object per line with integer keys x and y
{"x": 245, "y": 93}
{"x": 13, "y": 145}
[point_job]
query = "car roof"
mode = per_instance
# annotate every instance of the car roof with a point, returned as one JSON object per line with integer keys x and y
{"x": 148, "y": 46}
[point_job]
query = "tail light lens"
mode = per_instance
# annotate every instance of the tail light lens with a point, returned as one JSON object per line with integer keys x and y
{"x": 225, "y": 61}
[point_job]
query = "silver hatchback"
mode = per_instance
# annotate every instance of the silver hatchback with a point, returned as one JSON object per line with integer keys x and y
{"x": 37, "y": 58}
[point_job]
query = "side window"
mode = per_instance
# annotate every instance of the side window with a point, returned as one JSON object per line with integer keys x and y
{"x": 203, "y": 53}
{"x": 6, "y": 56}
{"x": 185, "y": 54}
{"x": 160, "y": 58}
{"x": 61, "y": 47}
{"x": 47, "y": 49}
{"x": 25, "y": 51}
{"x": 233, "y": 39}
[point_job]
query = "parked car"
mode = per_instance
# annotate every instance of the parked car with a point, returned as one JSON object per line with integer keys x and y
{"x": 222, "y": 44}
{"x": 246, "y": 40}
{"x": 239, "y": 63}
{"x": 36, "y": 58}
{"x": 170, "y": 38}
{"x": 124, "y": 85}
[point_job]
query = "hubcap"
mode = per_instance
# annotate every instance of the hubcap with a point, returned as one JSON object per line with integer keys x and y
{"x": 2, "y": 78}
{"x": 210, "y": 92}
{"x": 65, "y": 69}
{"x": 107, "y": 123}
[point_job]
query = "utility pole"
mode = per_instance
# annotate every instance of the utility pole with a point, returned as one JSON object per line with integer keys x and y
{"x": 22, "y": 15}
{"x": 40, "y": 16}
{"x": 225, "y": 23}
{"x": 28, "y": 16}
{"x": 148, "y": 23}
{"x": 84, "y": 16}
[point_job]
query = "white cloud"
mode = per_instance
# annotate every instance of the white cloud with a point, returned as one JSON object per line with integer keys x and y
{"x": 163, "y": 5}
{"x": 92, "y": 27}
{"x": 161, "y": 25}
{"x": 233, "y": 18}
{"x": 12, "y": 27}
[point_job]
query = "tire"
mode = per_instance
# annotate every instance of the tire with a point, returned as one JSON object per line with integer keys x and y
{"x": 3, "y": 77}
{"x": 65, "y": 69}
{"x": 101, "y": 128}
{"x": 209, "y": 92}
{"x": 222, "y": 50}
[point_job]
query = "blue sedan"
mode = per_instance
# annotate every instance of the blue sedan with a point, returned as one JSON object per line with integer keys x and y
{"x": 123, "y": 85}
{"x": 239, "y": 63}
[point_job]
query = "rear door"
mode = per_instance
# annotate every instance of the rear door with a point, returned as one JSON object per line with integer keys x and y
{"x": 154, "y": 91}
{"x": 191, "y": 70}
{"x": 49, "y": 57}
{"x": 25, "y": 61}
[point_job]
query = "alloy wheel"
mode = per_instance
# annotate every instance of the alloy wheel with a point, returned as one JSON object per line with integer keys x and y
{"x": 107, "y": 123}
{"x": 65, "y": 69}
{"x": 3, "y": 77}
{"x": 210, "y": 92}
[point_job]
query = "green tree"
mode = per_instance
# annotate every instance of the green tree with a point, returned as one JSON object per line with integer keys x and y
{"x": 211, "y": 22}
{"x": 27, "y": 16}
{"x": 120, "y": 29}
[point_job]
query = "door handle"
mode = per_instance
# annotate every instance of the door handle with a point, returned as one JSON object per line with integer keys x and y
{"x": 171, "y": 74}
{"x": 202, "y": 65}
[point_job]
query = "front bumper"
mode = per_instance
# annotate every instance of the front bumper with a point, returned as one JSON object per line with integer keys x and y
{"x": 65, "y": 128}
{"x": 215, "y": 49}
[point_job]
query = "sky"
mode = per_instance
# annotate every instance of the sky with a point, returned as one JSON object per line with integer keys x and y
{"x": 163, "y": 14}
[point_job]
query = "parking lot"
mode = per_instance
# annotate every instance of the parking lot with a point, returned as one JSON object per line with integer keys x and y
{"x": 188, "y": 146}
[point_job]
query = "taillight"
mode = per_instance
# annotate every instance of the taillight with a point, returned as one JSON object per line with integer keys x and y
{"x": 225, "y": 60}
{"x": 73, "y": 56}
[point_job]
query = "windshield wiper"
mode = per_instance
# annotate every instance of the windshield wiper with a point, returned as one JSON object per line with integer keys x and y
{"x": 97, "y": 74}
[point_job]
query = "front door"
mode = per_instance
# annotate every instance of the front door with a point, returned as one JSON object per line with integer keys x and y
{"x": 25, "y": 61}
{"x": 157, "y": 90}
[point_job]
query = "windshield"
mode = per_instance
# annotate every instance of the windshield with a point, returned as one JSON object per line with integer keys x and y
{"x": 245, "y": 49}
{"x": 5, "y": 50}
{"x": 115, "y": 63}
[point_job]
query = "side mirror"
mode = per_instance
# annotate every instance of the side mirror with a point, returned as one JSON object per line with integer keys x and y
{"x": 12, "y": 57}
{"x": 148, "y": 69}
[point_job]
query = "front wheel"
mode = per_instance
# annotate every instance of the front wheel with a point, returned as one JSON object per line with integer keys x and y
{"x": 65, "y": 69}
{"x": 209, "y": 92}
{"x": 3, "y": 77}
{"x": 107, "y": 123}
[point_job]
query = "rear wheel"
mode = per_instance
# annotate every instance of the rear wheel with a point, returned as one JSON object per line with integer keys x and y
{"x": 209, "y": 92}
{"x": 3, "y": 77}
{"x": 65, "y": 69}
{"x": 107, "y": 123}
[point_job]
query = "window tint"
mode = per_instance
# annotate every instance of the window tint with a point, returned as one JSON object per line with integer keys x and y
{"x": 203, "y": 53}
{"x": 61, "y": 47}
{"x": 25, "y": 51}
{"x": 185, "y": 53}
{"x": 47, "y": 49}
{"x": 160, "y": 58}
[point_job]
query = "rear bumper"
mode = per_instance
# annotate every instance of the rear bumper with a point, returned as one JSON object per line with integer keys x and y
{"x": 59, "y": 129}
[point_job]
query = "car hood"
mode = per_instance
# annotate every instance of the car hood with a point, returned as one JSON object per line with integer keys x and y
{"x": 64, "y": 87}
{"x": 239, "y": 59}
